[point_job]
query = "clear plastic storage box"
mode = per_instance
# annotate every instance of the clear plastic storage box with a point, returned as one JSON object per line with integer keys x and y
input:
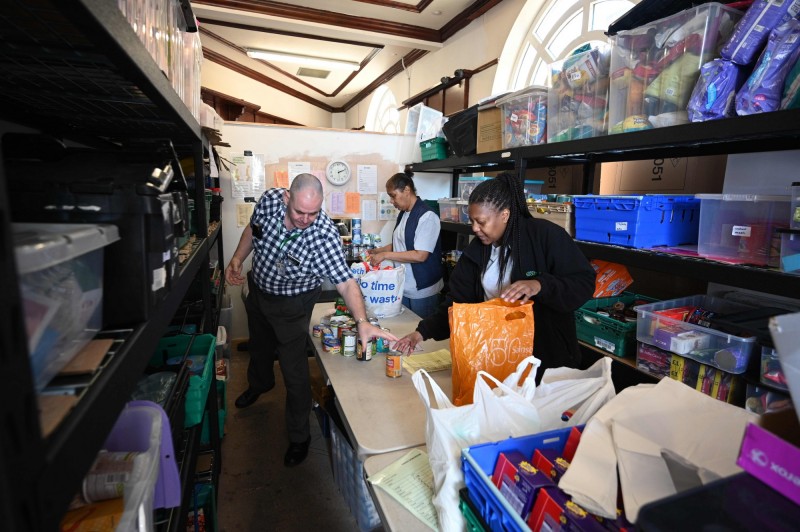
{"x": 450, "y": 209}
{"x": 637, "y": 221}
{"x": 562, "y": 214}
{"x": 658, "y": 324}
{"x": 524, "y": 117}
{"x": 467, "y": 183}
{"x": 577, "y": 98}
{"x": 790, "y": 250}
{"x": 61, "y": 283}
{"x": 655, "y": 67}
{"x": 742, "y": 227}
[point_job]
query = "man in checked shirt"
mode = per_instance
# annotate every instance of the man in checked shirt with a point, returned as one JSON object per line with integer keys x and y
{"x": 295, "y": 246}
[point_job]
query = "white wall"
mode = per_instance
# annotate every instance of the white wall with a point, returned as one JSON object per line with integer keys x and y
{"x": 280, "y": 145}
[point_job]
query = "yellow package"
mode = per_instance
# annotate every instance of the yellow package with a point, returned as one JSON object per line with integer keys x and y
{"x": 103, "y": 516}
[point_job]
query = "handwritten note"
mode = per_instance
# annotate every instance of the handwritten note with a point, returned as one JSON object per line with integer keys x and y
{"x": 410, "y": 481}
{"x": 433, "y": 361}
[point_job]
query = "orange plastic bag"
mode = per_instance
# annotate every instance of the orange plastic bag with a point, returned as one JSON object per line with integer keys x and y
{"x": 493, "y": 336}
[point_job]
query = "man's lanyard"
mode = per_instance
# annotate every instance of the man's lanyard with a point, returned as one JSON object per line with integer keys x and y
{"x": 294, "y": 235}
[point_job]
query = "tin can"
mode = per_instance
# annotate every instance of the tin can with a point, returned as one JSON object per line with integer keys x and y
{"x": 394, "y": 364}
{"x": 349, "y": 340}
{"x": 335, "y": 329}
{"x": 331, "y": 344}
{"x": 365, "y": 354}
{"x": 316, "y": 331}
{"x": 108, "y": 475}
{"x": 374, "y": 321}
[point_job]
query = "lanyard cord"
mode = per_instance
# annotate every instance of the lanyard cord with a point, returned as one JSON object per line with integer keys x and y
{"x": 289, "y": 238}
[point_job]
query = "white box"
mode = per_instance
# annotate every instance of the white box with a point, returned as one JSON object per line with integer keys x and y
{"x": 61, "y": 284}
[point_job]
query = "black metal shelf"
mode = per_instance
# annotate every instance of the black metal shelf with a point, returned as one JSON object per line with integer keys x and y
{"x": 744, "y": 134}
{"x": 77, "y": 69}
{"x": 765, "y": 279}
{"x": 72, "y": 447}
{"x": 453, "y": 227}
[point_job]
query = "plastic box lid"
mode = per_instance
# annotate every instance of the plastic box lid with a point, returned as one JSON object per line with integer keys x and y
{"x": 41, "y": 246}
{"x": 532, "y": 90}
{"x": 742, "y": 197}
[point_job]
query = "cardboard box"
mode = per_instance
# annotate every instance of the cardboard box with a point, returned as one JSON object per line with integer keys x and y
{"x": 770, "y": 452}
{"x": 490, "y": 130}
{"x": 558, "y": 179}
{"x": 680, "y": 175}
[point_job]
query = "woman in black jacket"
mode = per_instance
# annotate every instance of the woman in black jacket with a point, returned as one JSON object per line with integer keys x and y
{"x": 517, "y": 257}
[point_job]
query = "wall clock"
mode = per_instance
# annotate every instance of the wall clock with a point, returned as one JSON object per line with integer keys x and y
{"x": 338, "y": 172}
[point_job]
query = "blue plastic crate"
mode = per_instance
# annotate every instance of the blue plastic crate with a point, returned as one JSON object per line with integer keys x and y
{"x": 637, "y": 221}
{"x": 478, "y": 463}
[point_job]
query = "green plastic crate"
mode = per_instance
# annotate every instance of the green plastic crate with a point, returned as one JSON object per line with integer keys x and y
{"x": 433, "y": 149}
{"x": 608, "y": 334}
{"x": 472, "y": 519}
{"x": 222, "y": 413}
{"x": 201, "y": 345}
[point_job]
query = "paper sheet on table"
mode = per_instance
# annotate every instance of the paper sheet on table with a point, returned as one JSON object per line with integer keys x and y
{"x": 410, "y": 481}
{"x": 433, "y": 361}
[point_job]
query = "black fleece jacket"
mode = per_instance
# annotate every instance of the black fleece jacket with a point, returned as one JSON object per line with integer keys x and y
{"x": 548, "y": 254}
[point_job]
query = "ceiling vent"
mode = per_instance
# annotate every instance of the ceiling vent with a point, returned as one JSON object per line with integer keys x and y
{"x": 313, "y": 72}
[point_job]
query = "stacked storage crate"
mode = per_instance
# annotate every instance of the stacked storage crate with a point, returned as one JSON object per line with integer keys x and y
{"x": 348, "y": 472}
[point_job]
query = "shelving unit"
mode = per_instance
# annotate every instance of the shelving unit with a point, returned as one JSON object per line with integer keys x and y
{"x": 76, "y": 70}
{"x": 747, "y": 134}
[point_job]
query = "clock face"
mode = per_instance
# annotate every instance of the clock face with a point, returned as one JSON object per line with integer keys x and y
{"x": 338, "y": 172}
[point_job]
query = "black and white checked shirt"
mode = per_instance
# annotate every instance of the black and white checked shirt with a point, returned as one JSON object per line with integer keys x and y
{"x": 308, "y": 256}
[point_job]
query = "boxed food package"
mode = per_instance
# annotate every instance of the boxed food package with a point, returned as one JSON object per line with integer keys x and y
{"x": 655, "y": 67}
{"x": 577, "y": 97}
{"x": 742, "y": 228}
{"x": 524, "y": 117}
{"x": 61, "y": 284}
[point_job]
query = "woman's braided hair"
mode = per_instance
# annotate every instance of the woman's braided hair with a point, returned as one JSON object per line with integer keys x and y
{"x": 504, "y": 192}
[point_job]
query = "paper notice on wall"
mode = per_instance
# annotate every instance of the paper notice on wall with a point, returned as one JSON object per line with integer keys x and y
{"x": 386, "y": 210}
{"x": 336, "y": 203}
{"x": 241, "y": 177}
{"x": 297, "y": 168}
{"x": 281, "y": 178}
{"x": 257, "y": 171}
{"x": 244, "y": 211}
{"x": 367, "y": 178}
{"x": 368, "y": 209}
{"x": 352, "y": 202}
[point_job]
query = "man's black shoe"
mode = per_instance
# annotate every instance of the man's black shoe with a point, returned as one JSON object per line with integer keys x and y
{"x": 248, "y": 397}
{"x": 296, "y": 453}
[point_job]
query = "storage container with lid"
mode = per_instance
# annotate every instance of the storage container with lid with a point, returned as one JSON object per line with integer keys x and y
{"x": 524, "y": 117}
{"x": 742, "y": 228}
{"x": 60, "y": 270}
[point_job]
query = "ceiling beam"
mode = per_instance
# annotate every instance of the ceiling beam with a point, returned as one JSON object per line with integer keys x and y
{"x": 419, "y": 8}
{"x": 308, "y": 14}
{"x": 230, "y": 64}
{"x": 260, "y": 29}
{"x": 463, "y": 19}
{"x": 408, "y": 60}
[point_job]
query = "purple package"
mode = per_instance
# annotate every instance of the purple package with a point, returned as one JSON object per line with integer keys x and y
{"x": 576, "y": 518}
{"x": 764, "y": 88}
{"x": 521, "y": 494}
{"x": 754, "y": 28}
{"x": 713, "y": 95}
{"x": 663, "y": 335}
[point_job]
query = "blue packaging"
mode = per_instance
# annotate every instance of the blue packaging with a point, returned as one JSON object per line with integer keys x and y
{"x": 754, "y": 28}
{"x": 764, "y": 88}
{"x": 713, "y": 95}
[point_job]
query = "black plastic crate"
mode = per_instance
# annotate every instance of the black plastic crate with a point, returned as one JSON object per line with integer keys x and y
{"x": 461, "y": 131}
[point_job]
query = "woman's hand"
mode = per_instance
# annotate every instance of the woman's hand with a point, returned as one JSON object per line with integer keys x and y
{"x": 375, "y": 259}
{"x": 408, "y": 343}
{"x": 521, "y": 290}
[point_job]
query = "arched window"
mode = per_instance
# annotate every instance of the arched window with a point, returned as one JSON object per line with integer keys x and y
{"x": 549, "y": 33}
{"x": 382, "y": 114}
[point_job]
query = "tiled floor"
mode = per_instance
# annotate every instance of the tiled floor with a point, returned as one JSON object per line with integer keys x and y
{"x": 256, "y": 491}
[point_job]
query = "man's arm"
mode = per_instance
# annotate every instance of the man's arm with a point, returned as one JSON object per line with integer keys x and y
{"x": 354, "y": 300}
{"x": 233, "y": 273}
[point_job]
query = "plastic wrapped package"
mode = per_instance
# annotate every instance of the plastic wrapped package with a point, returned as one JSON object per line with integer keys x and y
{"x": 753, "y": 29}
{"x": 655, "y": 67}
{"x": 524, "y": 117}
{"x": 764, "y": 88}
{"x": 714, "y": 93}
{"x": 791, "y": 88}
{"x": 577, "y": 105}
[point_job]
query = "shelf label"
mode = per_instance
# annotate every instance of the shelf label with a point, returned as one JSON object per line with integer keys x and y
{"x": 742, "y": 230}
{"x": 620, "y": 226}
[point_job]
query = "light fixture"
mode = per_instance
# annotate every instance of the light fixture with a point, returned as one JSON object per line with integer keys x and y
{"x": 307, "y": 60}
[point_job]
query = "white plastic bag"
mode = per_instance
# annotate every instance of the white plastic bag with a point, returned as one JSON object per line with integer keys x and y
{"x": 494, "y": 415}
{"x": 567, "y": 397}
{"x": 382, "y": 288}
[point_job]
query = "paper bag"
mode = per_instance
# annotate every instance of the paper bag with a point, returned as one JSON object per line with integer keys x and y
{"x": 493, "y": 336}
